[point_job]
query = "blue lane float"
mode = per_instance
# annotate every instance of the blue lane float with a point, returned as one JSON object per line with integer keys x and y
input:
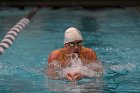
{"x": 9, "y": 38}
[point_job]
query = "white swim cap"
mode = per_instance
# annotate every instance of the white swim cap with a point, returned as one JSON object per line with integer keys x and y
{"x": 72, "y": 34}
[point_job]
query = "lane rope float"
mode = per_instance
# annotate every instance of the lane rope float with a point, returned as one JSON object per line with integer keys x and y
{"x": 10, "y": 36}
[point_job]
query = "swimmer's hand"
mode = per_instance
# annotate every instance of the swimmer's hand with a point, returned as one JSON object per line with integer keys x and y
{"x": 74, "y": 76}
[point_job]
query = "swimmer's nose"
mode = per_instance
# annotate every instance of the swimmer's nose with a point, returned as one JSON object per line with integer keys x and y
{"x": 76, "y": 46}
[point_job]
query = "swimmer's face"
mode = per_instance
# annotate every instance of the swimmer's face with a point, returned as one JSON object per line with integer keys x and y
{"x": 74, "y": 47}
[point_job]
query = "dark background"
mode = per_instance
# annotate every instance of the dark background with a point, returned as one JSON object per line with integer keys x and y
{"x": 70, "y": 3}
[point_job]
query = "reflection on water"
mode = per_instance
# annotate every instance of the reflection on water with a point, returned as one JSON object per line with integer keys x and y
{"x": 83, "y": 86}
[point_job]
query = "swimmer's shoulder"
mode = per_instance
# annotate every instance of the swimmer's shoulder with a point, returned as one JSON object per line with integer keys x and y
{"x": 54, "y": 55}
{"x": 90, "y": 53}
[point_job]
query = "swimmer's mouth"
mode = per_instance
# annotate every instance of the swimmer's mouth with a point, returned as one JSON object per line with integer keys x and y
{"x": 76, "y": 52}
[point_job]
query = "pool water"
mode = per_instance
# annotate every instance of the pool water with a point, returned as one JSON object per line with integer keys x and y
{"x": 113, "y": 33}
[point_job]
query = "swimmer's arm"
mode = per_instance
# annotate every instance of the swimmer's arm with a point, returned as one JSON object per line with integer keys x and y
{"x": 94, "y": 59}
{"x": 52, "y": 72}
{"x": 53, "y": 66}
{"x": 94, "y": 69}
{"x": 99, "y": 68}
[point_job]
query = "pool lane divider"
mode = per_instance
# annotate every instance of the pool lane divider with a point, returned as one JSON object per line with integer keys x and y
{"x": 9, "y": 38}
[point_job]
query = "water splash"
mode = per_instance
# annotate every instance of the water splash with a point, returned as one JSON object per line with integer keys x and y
{"x": 123, "y": 68}
{"x": 76, "y": 65}
{"x": 118, "y": 70}
{"x": 89, "y": 70}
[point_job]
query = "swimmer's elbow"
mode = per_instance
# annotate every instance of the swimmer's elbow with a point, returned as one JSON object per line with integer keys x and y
{"x": 52, "y": 57}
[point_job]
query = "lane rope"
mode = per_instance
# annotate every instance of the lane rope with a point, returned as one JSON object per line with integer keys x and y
{"x": 10, "y": 36}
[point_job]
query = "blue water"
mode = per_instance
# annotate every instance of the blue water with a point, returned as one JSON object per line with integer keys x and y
{"x": 113, "y": 33}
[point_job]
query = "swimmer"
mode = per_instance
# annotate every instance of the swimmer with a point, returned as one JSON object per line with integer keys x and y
{"x": 73, "y": 43}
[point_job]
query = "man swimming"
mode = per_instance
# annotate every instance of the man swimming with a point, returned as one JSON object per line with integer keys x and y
{"x": 73, "y": 44}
